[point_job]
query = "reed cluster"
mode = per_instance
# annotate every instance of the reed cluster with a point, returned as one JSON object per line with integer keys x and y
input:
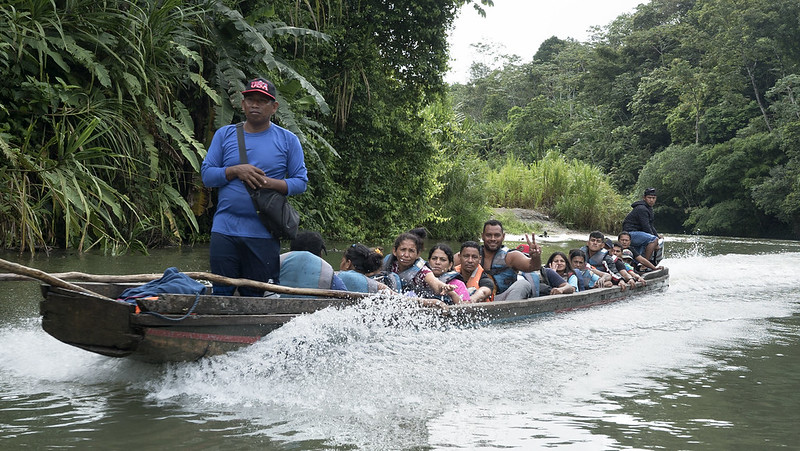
{"x": 574, "y": 193}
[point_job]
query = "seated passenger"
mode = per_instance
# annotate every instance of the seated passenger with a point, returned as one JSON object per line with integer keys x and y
{"x": 415, "y": 277}
{"x": 440, "y": 260}
{"x": 421, "y": 232}
{"x": 587, "y": 278}
{"x": 642, "y": 264}
{"x": 504, "y": 264}
{"x": 559, "y": 263}
{"x": 598, "y": 257}
{"x": 358, "y": 262}
{"x": 546, "y": 280}
{"x": 629, "y": 263}
{"x": 479, "y": 283}
{"x": 626, "y": 271}
{"x": 627, "y": 257}
{"x": 303, "y": 266}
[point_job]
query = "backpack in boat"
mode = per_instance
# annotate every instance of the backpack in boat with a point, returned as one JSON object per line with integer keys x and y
{"x": 540, "y": 284}
{"x": 544, "y": 283}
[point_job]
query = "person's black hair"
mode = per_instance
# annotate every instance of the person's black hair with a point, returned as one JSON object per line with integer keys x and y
{"x": 576, "y": 253}
{"x": 409, "y": 236}
{"x": 493, "y": 222}
{"x": 421, "y": 232}
{"x": 307, "y": 240}
{"x": 563, "y": 255}
{"x": 416, "y": 239}
{"x": 623, "y": 233}
{"x": 474, "y": 244}
{"x": 444, "y": 248}
{"x": 364, "y": 259}
{"x": 597, "y": 234}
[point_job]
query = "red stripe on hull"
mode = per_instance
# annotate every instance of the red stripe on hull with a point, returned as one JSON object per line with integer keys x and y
{"x": 199, "y": 336}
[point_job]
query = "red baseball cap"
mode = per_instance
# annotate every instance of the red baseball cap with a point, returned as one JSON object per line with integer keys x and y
{"x": 261, "y": 86}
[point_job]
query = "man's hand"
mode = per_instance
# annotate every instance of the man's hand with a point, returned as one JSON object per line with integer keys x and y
{"x": 535, "y": 249}
{"x": 249, "y": 174}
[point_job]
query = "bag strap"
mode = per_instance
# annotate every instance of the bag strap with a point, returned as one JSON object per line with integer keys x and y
{"x": 243, "y": 159}
{"x": 240, "y": 138}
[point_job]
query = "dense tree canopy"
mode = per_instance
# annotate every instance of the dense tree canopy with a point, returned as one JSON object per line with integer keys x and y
{"x": 697, "y": 98}
{"x": 106, "y": 110}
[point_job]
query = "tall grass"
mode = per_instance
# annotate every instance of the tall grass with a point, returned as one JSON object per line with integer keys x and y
{"x": 573, "y": 192}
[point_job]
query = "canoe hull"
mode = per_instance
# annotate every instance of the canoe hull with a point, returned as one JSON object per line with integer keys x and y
{"x": 185, "y": 328}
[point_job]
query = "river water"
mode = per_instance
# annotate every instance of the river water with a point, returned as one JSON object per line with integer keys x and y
{"x": 712, "y": 363}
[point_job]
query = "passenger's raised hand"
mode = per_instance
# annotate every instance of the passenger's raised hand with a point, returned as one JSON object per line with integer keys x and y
{"x": 535, "y": 249}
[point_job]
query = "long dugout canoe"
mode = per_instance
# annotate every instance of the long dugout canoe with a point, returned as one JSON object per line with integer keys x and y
{"x": 185, "y": 327}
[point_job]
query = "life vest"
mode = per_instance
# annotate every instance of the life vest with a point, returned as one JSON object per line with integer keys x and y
{"x": 407, "y": 276}
{"x": 598, "y": 260}
{"x": 474, "y": 281}
{"x": 446, "y": 277}
{"x": 355, "y": 281}
{"x": 502, "y": 274}
{"x": 302, "y": 269}
{"x": 388, "y": 278}
{"x": 584, "y": 278}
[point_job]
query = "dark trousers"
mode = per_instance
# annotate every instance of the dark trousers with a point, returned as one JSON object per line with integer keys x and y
{"x": 247, "y": 258}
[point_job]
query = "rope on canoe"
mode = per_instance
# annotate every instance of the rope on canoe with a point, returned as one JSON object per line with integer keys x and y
{"x": 189, "y": 313}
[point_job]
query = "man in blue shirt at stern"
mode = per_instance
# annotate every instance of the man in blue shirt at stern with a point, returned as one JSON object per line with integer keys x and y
{"x": 241, "y": 246}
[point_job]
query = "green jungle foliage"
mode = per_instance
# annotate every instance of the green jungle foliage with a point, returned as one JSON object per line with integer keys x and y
{"x": 696, "y": 98}
{"x": 574, "y": 193}
{"x": 106, "y": 110}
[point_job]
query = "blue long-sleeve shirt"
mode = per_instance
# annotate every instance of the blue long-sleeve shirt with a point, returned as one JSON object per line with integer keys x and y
{"x": 276, "y": 151}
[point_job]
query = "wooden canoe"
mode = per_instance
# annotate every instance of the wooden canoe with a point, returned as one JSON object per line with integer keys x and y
{"x": 185, "y": 327}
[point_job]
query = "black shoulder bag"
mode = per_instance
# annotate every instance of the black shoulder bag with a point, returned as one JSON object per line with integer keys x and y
{"x": 274, "y": 210}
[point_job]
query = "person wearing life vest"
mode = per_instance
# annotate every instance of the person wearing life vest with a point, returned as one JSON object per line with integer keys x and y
{"x": 587, "y": 277}
{"x": 415, "y": 277}
{"x": 303, "y": 266}
{"x": 599, "y": 258}
{"x": 479, "y": 283}
{"x": 505, "y": 265}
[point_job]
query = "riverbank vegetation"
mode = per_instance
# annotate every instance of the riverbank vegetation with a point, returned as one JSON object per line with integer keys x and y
{"x": 106, "y": 111}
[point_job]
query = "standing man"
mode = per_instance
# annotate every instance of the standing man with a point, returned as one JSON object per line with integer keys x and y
{"x": 241, "y": 246}
{"x": 504, "y": 264}
{"x": 639, "y": 223}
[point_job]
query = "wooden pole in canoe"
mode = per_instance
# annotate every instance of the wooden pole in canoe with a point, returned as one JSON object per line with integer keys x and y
{"x": 59, "y": 279}
{"x": 21, "y": 272}
{"x": 43, "y": 276}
